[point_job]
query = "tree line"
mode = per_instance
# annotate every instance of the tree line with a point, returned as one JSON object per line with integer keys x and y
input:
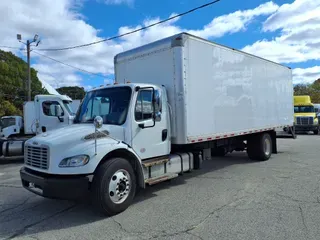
{"x": 13, "y": 79}
{"x": 313, "y": 90}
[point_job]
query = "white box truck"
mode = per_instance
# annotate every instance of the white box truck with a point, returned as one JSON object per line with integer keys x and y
{"x": 174, "y": 100}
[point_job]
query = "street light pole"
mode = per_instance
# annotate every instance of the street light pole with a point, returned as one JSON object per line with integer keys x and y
{"x": 28, "y": 44}
{"x": 29, "y": 72}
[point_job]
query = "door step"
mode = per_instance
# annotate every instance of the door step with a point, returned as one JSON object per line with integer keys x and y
{"x": 155, "y": 161}
{"x": 152, "y": 181}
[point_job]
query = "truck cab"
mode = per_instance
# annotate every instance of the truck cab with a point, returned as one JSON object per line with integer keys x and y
{"x": 50, "y": 112}
{"x": 305, "y": 116}
{"x": 134, "y": 125}
{"x": 10, "y": 125}
{"x": 45, "y": 113}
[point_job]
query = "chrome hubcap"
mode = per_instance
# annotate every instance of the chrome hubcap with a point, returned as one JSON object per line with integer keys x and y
{"x": 267, "y": 146}
{"x": 119, "y": 186}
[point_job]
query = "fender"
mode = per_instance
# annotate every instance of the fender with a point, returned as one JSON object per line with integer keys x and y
{"x": 128, "y": 153}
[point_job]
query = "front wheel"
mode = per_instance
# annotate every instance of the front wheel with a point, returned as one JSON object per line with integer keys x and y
{"x": 113, "y": 186}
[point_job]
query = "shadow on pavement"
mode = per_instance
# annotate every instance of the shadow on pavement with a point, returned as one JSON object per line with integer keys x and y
{"x": 41, "y": 214}
{"x": 11, "y": 160}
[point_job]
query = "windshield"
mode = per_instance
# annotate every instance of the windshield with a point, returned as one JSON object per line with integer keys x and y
{"x": 110, "y": 103}
{"x": 7, "y": 122}
{"x": 303, "y": 109}
{"x": 67, "y": 105}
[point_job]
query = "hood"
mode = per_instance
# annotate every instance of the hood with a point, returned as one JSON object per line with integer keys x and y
{"x": 75, "y": 133}
{"x": 8, "y": 131}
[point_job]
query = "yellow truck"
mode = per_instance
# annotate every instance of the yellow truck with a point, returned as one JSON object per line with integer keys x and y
{"x": 305, "y": 117}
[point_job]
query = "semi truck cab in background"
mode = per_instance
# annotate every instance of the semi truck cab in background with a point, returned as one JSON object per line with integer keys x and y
{"x": 305, "y": 116}
{"x": 173, "y": 104}
{"x": 45, "y": 113}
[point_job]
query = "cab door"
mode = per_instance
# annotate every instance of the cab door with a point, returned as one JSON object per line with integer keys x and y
{"x": 150, "y": 133}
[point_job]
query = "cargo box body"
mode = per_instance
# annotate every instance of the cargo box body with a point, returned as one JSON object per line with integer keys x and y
{"x": 214, "y": 91}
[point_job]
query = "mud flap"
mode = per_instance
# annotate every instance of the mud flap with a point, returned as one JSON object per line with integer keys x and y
{"x": 273, "y": 135}
{"x": 289, "y": 133}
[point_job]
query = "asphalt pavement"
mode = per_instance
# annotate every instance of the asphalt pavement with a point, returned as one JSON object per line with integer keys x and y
{"x": 230, "y": 198}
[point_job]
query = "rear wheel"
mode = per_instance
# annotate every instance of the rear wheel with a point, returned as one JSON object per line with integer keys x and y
{"x": 113, "y": 186}
{"x": 259, "y": 147}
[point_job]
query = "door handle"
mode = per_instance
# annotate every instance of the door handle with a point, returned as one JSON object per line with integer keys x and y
{"x": 164, "y": 134}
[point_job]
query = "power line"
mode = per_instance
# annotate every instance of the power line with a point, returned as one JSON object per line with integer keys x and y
{"x": 131, "y": 32}
{"x": 66, "y": 64}
{"x": 10, "y": 47}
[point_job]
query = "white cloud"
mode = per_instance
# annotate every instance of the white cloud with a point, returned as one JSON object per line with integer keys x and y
{"x": 283, "y": 52}
{"x": 234, "y": 22}
{"x": 298, "y": 13}
{"x": 218, "y": 27}
{"x": 61, "y": 25}
{"x": 306, "y": 75}
{"x": 108, "y": 81}
{"x": 299, "y": 37}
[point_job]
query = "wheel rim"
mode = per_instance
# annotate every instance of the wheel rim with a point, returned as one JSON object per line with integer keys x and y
{"x": 267, "y": 146}
{"x": 119, "y": 186}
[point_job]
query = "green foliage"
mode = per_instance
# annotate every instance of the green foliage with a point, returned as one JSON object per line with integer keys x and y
{"x": 313, "y": 90}
{"x": 8, "y": 109}
{"x": 73, "y": 92}
{"x": 13, "y": 76}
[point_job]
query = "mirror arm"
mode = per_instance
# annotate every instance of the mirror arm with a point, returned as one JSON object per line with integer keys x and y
{"x": 61, "y": 119}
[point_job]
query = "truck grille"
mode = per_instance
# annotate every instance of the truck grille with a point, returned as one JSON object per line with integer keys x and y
{"x": 304, "y": 120}
{"x": 37, "y": 157}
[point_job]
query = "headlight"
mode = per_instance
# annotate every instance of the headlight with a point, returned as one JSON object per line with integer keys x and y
{"x": 75, "y": 161}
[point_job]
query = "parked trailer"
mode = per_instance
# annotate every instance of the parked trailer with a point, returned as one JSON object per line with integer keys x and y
{"x": 187, "y": 97}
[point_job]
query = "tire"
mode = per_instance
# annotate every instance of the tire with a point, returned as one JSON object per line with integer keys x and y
{"x": 260, "y": 147}
{"x": 110, "y": 176}
{"x": 316, "y": 132}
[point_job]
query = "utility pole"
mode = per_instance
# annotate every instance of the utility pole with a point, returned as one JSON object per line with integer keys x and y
{"x": 29, "y": 72}
{"x": 28, "y": 44}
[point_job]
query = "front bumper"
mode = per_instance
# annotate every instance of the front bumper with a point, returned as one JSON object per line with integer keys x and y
{"x": 306, "y": 127}
{"x": 53, "y": 186}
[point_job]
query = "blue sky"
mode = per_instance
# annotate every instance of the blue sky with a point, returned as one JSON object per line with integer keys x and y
{"x": 284, "y": 31}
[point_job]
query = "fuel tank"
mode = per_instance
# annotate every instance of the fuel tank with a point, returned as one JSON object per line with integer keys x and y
{"x": 12, "y": 148}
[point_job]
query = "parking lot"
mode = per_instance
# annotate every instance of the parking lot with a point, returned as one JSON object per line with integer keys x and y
{"x": 230, "y": 198}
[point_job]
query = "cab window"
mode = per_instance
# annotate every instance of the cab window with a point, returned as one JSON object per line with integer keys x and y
{"x": 144, "y": 107}
{"x": 49, "y": 109}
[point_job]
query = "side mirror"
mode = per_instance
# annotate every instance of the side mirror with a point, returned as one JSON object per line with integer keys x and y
{"x": 157, "y": 105}
{"x": 98, "y": 122}
{"x": 58, "y": 110}
{"x": 157, "y": 99}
